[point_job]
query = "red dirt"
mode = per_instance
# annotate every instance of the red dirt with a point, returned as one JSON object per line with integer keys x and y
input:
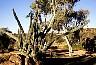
{"x": 16, "y": 60}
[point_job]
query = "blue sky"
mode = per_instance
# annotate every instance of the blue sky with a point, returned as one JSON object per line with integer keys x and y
{"x": 22, "y": 9}
{"x": 89, "y": 5}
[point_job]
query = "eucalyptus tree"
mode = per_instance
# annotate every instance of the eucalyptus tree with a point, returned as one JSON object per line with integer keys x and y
{"x": 63, "y": 16}
{"x": 67, "y": 19}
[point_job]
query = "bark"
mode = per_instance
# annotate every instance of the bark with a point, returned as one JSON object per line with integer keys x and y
{"x": 54, "y": 13}
{"x": 45, "y": 18}
{"x": 37, "y": 61}
{"x": 27, "y": 61}
{"x": 70, "y": 47}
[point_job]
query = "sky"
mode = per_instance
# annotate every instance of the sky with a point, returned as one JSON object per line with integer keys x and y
{"x": 22, "y": 8}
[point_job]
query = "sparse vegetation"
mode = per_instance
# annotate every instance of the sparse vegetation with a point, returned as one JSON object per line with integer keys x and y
{"x": 36, "y": 43}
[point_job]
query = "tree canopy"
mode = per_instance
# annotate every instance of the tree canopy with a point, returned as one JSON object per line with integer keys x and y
{"x": 65, "y": 16}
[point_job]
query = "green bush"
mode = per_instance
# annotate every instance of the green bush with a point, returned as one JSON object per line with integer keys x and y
{"x": 74, "y": 47}
{"x": 54, "y": 55}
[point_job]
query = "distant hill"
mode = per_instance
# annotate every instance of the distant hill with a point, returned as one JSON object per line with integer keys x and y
{"x": 88, "y": 32}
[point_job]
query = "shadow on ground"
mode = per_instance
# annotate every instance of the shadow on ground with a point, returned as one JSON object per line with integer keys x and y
{"x": 85, "y": 59}
{"x": 82, "y": 60}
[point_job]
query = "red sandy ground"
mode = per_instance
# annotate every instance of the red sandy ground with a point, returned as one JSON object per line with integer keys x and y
{"x": 15, "y": 60}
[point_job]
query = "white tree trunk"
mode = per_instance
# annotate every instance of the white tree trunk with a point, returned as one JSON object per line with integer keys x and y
{"x": 70, "y": 47}
{"x": 27, "y": 61}
{"x": 53, "y": 15}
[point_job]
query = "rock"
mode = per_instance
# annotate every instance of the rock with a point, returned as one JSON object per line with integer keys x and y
{"x": 7, "y": 63}
{"x": 15, "y": 59}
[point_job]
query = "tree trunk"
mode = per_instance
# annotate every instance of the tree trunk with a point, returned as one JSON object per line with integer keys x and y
{"x": 37, "y": 61}
{"x": 70, "y": 48}
{"x": 27, "y": 61}
{"x": 45, "y": 18}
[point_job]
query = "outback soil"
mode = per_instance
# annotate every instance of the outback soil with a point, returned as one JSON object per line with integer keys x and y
{"x": 54, "y": 56}
{"x": 60, "y": 57}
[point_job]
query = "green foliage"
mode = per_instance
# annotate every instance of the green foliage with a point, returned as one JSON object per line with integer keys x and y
{"x": 59, "y": 19}
{"x": 74, "y": 47}
{"x": 60, "y": 40}
{"x": 33, "y": 5}
{"x": 54, "y": 55}
{"x": 75, "y": 37}
{"x": 77, "y": 47}
{"x": 70, "y": 3}
{"x": 44, "y": 6}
